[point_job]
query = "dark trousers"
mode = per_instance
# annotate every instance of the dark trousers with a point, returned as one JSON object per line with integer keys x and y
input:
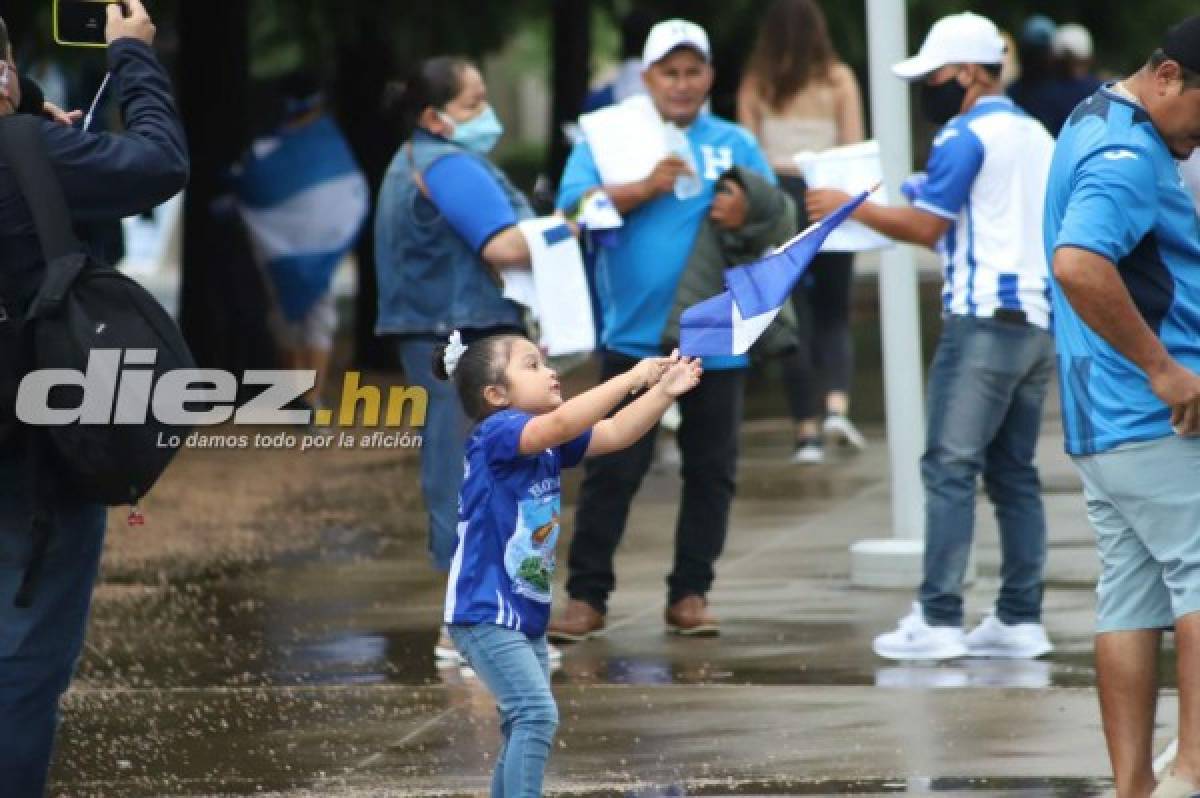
{"x": 39, "y": 644}
{"x": 708, "y": 443}
{"x": 824, "y": 361}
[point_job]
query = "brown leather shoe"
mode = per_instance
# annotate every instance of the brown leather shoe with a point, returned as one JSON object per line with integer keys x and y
{"x": 579, "y": 621}
{"x": 690, "y": 617}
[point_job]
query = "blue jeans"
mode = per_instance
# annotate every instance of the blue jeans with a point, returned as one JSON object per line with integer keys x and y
{"x": 40, "y": 644}
{"x": 517, "y": 671}
{"x": 442, "y": 447}
{"x": 986, "y": 391}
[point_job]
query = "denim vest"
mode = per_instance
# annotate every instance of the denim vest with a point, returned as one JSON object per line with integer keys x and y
{"x": 430, "y": 280}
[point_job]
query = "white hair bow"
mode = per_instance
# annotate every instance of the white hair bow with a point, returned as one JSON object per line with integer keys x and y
{"x": 454, "y": 352}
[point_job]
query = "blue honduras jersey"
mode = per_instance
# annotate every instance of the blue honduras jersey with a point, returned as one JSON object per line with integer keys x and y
{"x": 637, "y": 279}
{"x": 507, "y": 527}
{"x": 987, "y": 177}
{"x": 1115, "y": 190}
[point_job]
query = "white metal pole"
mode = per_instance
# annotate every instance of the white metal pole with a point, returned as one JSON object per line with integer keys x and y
{"x": 896, "y": 562}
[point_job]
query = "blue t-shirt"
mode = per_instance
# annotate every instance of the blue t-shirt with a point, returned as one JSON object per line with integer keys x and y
{"x": 637, "y": 279}
{"x": 1116, "y": 190}
{"x": 469, "y": 198}
{"x": 508, "y": 527}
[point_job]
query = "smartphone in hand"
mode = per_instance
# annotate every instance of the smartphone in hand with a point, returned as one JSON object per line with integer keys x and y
{"x": 81, "y": 23}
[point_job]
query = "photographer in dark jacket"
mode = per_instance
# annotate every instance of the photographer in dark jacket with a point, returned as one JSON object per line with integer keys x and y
{"x": 104, "y": 176}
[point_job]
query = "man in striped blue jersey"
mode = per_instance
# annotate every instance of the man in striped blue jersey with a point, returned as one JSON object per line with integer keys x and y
{"x": 981, "y": 207}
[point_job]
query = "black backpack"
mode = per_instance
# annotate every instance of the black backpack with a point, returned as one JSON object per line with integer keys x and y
{"x": 82, "y": 305}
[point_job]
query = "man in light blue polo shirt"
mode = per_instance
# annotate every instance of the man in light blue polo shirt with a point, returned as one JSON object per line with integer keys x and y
{"x": 636, "y": 281}
{"x": 1124, "y": 239}
{"x": 981, "y": 206}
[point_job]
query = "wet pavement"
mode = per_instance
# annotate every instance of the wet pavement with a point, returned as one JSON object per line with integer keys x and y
{"x": 313, "y": 675}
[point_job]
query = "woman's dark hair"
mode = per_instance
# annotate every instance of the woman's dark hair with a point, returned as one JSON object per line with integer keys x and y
{"x": 433, "y": 84}
{"x": 483, "y": 364}
{"x": 793, "y": 50}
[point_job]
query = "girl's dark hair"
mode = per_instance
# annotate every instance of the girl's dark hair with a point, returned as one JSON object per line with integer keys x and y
{"x": 483, "y": 364}
{"x": 434, "y": 83}
{"x": 793, "y": 50}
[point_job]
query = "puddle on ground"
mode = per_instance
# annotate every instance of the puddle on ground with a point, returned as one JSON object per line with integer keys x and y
{"x": 344, "y": 615}
{"x": 1010, "y": 787}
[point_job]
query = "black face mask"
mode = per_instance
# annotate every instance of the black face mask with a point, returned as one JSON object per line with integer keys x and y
{"x": 942, "y": 102}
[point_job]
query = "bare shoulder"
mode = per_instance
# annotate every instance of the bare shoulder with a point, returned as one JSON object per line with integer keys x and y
{"x": 842, "y": 76}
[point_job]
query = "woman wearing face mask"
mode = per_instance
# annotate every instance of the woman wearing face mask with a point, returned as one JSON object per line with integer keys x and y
{"x": 446, "y": 221}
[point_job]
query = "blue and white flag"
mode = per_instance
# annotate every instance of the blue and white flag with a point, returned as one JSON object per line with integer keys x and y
{"x": 730, "y": 323}
{"x": 304, "y": 201}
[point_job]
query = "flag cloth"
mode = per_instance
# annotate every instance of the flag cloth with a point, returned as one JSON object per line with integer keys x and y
{"x": 304, "y": 201}
{"x": 730, "y": 323}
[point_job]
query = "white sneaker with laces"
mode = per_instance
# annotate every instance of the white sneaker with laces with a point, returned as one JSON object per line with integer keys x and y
{"x": 839, "y": 428}
{"x": 993, "y": 638}
{"x": 808, "y": 453}
{"x": 914, "y": 639}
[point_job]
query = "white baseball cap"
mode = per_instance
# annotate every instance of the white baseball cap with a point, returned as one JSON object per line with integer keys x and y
{"x": 957, "y": 39}
{"x": 1074, "y": 40}
{"x": 670, "y": 34}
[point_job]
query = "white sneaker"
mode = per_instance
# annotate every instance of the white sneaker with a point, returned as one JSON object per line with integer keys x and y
{"x": 838, "y": 428}
{"x": 992, "y": 638}
{"x": 916, "y": 640}
{"x": 445, "y": 655}
{"x": 553, "y": 654}
{"x": 810, "y": 452}
{"x": 672, "y": 418}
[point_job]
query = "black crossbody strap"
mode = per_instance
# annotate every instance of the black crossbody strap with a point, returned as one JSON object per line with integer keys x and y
{"x": 24, "y": 152}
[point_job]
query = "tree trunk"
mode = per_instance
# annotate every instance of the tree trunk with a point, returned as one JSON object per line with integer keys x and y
{"x": 569, "y": 72}
{"x": 364, "y": 66}
{"x": 223, "y": 301}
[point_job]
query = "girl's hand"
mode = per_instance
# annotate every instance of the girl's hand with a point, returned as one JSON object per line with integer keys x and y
{"x": 648, "y": 372}
{"x": 681, "y": 377}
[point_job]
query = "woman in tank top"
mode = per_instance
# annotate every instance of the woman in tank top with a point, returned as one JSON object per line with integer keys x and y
{"x": 797, "y": 96}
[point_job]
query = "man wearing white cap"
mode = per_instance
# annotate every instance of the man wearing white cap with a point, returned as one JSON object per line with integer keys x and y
{"x": 1073, "y": 49}
{"x": 981, "y": 207}
{"x": 637, "y": 280}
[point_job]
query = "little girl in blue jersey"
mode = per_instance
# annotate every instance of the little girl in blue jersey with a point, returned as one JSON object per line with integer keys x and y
{"x": 498, "y": 594}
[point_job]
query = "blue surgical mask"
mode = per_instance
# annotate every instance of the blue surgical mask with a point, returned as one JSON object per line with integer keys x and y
{"x": 480, "y": 133}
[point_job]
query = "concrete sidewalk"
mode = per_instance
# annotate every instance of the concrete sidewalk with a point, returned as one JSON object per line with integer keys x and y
{"x": 323, "y": 684}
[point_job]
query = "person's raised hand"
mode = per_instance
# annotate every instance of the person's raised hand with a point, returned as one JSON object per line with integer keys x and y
{"x": 1179, "y": 389}
{"x": 137, "y": 25}
{"x": 820, "y": 202}
{"x": 662, "y": 179}
{"x": 730, "y": 207}
{"x": 681, "y": 377}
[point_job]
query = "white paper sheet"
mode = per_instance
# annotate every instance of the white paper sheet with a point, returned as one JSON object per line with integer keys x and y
{"x": 627, "y": 140}
{"x": 853, "y": 169}
{"x": 555, "y": 289}
{"x": 1190, "y": 169}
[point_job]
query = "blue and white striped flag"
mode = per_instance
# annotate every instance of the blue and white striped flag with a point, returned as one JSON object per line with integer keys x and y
{"x": 730, "y": 323}
{"x": 304, "y": 201}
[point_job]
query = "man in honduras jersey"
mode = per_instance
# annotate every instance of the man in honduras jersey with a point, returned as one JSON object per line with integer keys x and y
{"x": 981, "y": 206}
{"x": 1124, "y": 239}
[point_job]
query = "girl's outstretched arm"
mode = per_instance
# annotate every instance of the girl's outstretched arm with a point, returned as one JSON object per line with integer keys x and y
{"x": 634, "y": 421}
{"x": 579, "y": 414}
